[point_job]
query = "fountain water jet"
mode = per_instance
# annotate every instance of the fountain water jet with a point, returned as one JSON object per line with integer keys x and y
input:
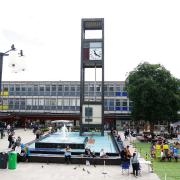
{"x": 64, "y": 132}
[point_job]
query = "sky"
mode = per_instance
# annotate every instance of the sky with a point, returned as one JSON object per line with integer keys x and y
{"x": 49, "y": 33}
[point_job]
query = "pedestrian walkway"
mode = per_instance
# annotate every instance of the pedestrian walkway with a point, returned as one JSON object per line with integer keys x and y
{"x": 31, "y": 171}
{"x": 26, "y": 137}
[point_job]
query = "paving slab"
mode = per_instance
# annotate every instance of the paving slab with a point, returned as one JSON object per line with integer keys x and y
{"x": 34, "y": 171}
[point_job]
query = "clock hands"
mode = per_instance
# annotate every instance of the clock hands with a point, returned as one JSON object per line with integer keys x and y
{"x": 96, "y": 54}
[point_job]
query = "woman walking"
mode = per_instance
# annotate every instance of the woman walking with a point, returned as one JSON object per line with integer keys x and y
{"x": 135, "y": 164}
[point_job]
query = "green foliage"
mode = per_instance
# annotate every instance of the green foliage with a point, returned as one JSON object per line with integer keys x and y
{"x": 154, "y": 93}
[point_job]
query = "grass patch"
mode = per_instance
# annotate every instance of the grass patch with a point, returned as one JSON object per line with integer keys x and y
{"x": 171, "y": 169}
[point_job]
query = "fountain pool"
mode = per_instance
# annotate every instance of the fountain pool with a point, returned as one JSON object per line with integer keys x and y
{"x": 77, "y": 143}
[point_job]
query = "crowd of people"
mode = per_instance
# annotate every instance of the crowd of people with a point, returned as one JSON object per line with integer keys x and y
{"x": 159, "y": 148}
{"x": 15, "y": 143}
{"x": 164, "y": 150}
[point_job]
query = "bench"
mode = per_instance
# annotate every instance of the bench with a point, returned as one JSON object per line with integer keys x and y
{"x": 75, "y": 159}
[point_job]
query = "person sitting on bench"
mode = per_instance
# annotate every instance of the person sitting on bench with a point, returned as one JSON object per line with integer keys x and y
{"x": 67, "y": 154}
{"x": 103, "y": 154}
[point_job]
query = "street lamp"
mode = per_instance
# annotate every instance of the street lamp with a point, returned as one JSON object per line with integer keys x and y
{"x": 1, "y": 60}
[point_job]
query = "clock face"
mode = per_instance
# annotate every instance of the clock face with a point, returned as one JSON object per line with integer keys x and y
{"x": 95, "y": 54}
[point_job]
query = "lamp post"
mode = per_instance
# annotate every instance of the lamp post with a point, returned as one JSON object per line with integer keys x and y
{"x": 1, "y": 60}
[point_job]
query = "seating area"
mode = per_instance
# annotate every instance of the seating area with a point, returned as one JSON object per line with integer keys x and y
{"x": 75, "y": 159}
{"x": 118, "y": 141}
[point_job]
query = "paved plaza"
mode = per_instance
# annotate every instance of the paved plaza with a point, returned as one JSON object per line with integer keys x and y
{"x": 34, "y": 171}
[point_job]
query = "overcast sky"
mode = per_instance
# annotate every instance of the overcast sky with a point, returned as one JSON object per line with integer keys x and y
{"x": 49, "y": 32}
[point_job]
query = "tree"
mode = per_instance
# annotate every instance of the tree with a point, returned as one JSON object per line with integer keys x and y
{"x": 154, "y": 93}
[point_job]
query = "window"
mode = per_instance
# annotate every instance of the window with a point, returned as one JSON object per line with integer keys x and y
{"x": 72, "y": 93}
{"x": 29, "y": 102}
{"x": 78, "y": 88}
{"x": 124, "y": 102}
{"x": 111, "y": 88}
{"x": 53, "y": 87}
{"x": 91, "y": 88}
{"x": 53, "y": 90}
{"x": 47, "y": 102}
{"x": 11, "y": 87}
{"x": 98, "y": 88}
{"x": 66, "y": 102}
{"x": 35, "y": 88}
{"x": 66, "y": 88}
{"x": 35, "y": 102}
{"x": 23, "y": 88}
{"x": 29, "y": 88}
{"x": 47, "y": 88}
{"x": 10, "y": 101}
{"x": 72, "y": 88}
{"x": 22, "y": 101}
{"x": 59, "y": 102}
{"x": 53, "y": 102}
{"x": 88, "y": 112}
{"x": 16, "y": 103}
{"x": 105, "y": 88}
{"x": 41, "y": 102}
{"x": 111, "y": 102}
{"x": 124, "y": 93}
{"x": 17, "y": 87}
{"x": 78, "y": 102}
{"x": 118, "y": 88}
{"x": 41, "y": 88}
{"x": 72, "y": 102}
{"x": 59, "y": 87}
{"x": 118, "y": 102}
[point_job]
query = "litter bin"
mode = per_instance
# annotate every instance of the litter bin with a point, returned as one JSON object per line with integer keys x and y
{"x": 3, "y": 160}
{"x": 12, "y": 160}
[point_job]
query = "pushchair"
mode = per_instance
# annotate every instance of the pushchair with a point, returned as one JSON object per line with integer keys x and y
{"x": 125, "y": 166}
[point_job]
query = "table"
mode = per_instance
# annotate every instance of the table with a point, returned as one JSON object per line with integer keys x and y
{"x": 143, "y": 161}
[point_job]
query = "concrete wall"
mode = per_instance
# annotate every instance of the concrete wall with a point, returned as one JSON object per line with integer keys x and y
{"x": 97, "y": 116}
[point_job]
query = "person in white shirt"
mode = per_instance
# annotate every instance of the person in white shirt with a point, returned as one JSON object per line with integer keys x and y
{"x": 103, "y": 154}
{"x": 135, "y": 164}
{"x": 8, "y": 128}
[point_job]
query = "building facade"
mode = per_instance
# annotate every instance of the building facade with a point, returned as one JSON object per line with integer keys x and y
{"x": 62, "y": 97}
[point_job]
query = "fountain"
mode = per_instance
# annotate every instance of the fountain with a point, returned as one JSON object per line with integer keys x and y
{"x": 64, "y": 132}
{"x": 50, "y": 148}
{"x": 61, "y": 139}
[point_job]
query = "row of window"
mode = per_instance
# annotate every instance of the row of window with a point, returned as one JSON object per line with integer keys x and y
{"x": 60, "y": 108}
{"x": 60, "y": 88}
{"x": 60, "y": 104}
{"x": 38, "y": 93}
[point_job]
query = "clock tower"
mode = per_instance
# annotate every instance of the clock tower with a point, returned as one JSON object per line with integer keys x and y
{"x": 92, "y": 57}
